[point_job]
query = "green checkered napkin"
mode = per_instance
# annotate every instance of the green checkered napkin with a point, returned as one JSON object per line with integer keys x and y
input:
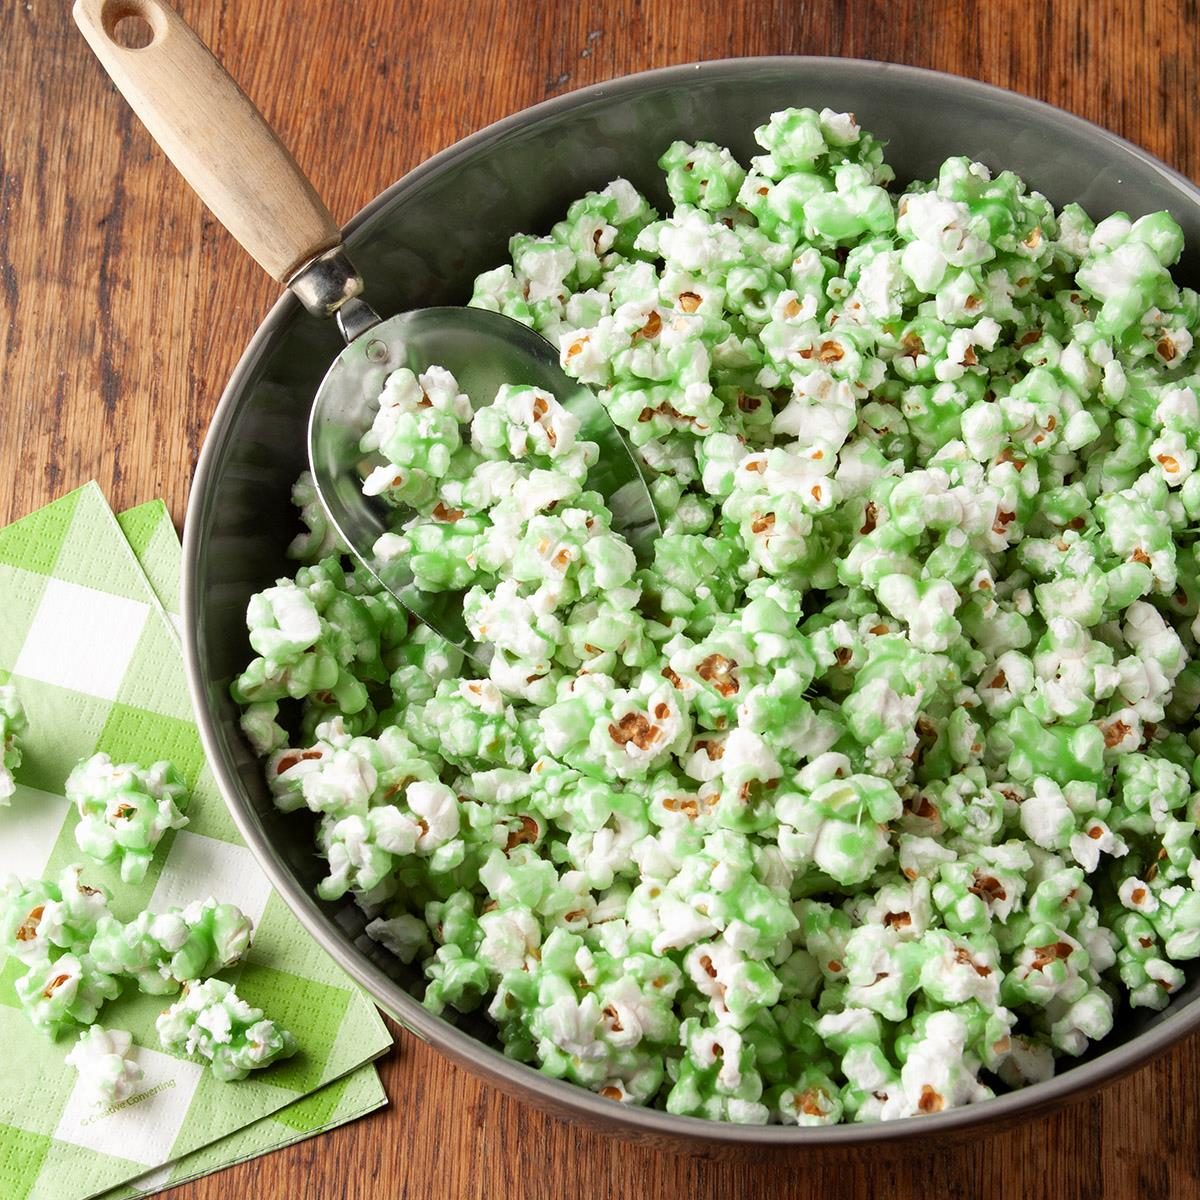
{"x": 95, "y": 660}
{"x": 151, "y": 535}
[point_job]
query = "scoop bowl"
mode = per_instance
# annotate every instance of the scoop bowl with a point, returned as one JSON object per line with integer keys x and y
{"x": 483, "y": 350}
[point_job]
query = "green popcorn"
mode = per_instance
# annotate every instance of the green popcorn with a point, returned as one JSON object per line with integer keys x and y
{"x": 423, "y": 441}
{"x": 342, "y": 775}
{"x": 1128, "y": 274}
{"x": 954, "y": 970}
{"x": 692, "y": 578}
{"x": 855, "y": 208}
{"x": 455, "y": 979}
{"x": 12, "y": 724}
{"x": 1064, "y": 753}
{"x": 603, "y": 826}
{"x": 319, "y": 538}
{"x": 283, "y": 622}
{"x": 64, "y": 994}
{"x": 163, "y": 951}
{"x": 262, "y": 729}
{"x": 499, "y": 291}
{"x": 936, "y": 1072}
{"x": 692, "y": 240}
{"x": 738, "y": 989}
{"x": 210, "y": 1019}
{"x": 1148, "y": 789}
{"x": 716, "y": 1077}
{"x": 39, "y": 918}
{"x": 522, "y": 422}
{"x": 838, "y": 827}
{"x": 812, "y": 1099}
{"x": 309, "y": 633}
{"x": 518, "y": 876}
{"x": 107, "y": 1071}
{"x": 623, "y": 731}
{"x": 797, "y": 138}
{"x": 467, "y": 721}
{"x": 1049, "y": 964}
{"x": 361, "y": 850}
{"x": 881, "y": 709}
{"x": 125, "y": 810}
{"x": 870, "y": 1077}
{"x": 1074, "y": 1026}
{"x": 882, "y": 970}
{"x": 453, "y": 922}
{"x": 927, "y": 607}
{"x": 1149, "y": 977}
{"x": 702, "y": 174}
{"x": 882, "y": 765}
{"x": 987, "y": 884}
{"x": 1176, "y": 920}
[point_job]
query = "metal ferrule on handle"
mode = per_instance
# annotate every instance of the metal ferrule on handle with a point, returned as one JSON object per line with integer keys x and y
{"x": 328, "y": 285}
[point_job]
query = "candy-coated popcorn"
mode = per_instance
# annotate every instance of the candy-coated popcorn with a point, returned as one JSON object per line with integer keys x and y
{"x": 124, "y": 811}
{"x": 108, "y": 1072}
{"x": 40, "y": 918}
{"x": 210, "y": 1019}
{"x": 872, "y": 783}
{"x": 162, "y": 951}
{"x": 13, "y": 723}
{"x": 65, "y": 993}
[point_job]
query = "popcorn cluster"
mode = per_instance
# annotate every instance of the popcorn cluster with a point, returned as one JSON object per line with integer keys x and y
{"x": 77, "y": 953}
{"x": 12, "y": 724}
{"x": 875, "y": 790}
{"x": 107, "y": 1070}
{"x": 211, "y": 1020}
{"x": 124, "y": 811}
{"x": 77, "y": 956}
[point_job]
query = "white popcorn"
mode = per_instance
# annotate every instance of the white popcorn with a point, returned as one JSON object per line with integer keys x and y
{"x": 436, "y": 807}
{"x": 1136, "y": 895}
{"x": 936, "y": 1075}
{"x": 108, "y": 1072}
{"x": 1045, "y": 815}
{"x": 510, "y": 935}
{"x": 405, "y": 936}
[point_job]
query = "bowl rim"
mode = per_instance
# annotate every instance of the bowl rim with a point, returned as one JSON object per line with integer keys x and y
{"x": 515, "y": 1078}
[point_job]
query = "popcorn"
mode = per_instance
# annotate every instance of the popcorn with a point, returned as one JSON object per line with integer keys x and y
{"x": 124, "y": 811}
{"x": 12, "y": 724}
{"x": 210, "y": 1019}
{"x": 163, "y": 951}
{"x": 39, "y": 918}
{"x": 872, "y": 774}
{"x": 65, "y": 993}
{"x": 107, "y": 1070}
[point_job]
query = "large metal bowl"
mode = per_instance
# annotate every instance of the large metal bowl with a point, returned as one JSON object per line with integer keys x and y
{"x": 420, "y": 243}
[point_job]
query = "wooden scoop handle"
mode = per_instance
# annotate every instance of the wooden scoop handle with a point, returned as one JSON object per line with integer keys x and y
{"x": 213, "y": 134}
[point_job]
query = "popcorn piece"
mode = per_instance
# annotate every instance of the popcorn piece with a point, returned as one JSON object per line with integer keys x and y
{"x": 211, "y": 1020}
{"x": 64, "y": 994}
{"x": 108, "y": 1072}
{"x": 164, "y": 950}
{"x": 125, "y": 810}
{"x": 12, "y": 724}
{"x": 39, "y": 918}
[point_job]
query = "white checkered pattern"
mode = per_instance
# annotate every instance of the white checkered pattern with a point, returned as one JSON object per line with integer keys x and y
{"x": 82, "y": 639}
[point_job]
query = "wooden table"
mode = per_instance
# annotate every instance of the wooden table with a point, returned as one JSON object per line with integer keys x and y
{"x": 125, "y": 307}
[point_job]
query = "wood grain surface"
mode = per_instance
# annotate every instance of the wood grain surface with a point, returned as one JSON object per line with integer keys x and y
{"x": 125, "y": 308}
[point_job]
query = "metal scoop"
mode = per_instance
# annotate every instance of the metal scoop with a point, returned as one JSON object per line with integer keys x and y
{"x": 224, "y": 148}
